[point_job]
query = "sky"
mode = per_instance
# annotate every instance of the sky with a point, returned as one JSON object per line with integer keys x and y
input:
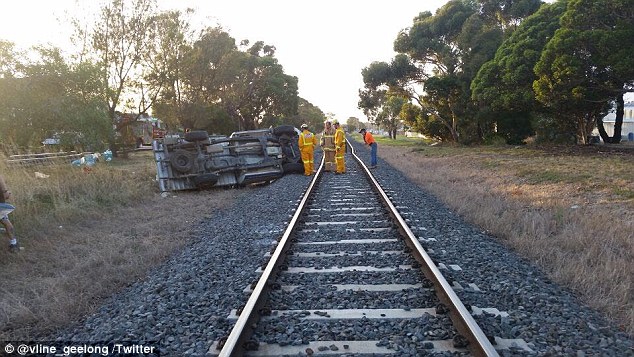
{"x": 324, "y": 43}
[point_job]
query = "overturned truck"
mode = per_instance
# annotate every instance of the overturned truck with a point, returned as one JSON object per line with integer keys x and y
{"x": 198, "y": 160}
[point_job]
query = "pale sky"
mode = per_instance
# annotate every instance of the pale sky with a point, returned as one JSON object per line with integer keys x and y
{"x": 325, "y": 43}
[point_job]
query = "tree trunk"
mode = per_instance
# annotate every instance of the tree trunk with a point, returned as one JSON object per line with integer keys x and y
{"x": 454, "y": 128}
{"x": 618, "y": 122}
{"x": 602, "y": 133}
{"x": 582, "y": 137}
{"x": 112, "y": 142}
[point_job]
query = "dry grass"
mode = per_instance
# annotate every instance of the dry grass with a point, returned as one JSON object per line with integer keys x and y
{"x": 87, "y": 235}
{"x": 569, "y": 212}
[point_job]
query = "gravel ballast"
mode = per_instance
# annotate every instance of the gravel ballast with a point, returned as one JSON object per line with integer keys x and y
{"x": 183, "y": 304}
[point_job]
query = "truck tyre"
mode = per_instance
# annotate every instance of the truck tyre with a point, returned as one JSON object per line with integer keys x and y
{"x": 284, "y": 139}
{"x": 182, "y": 160}
{"x": 197, "y": 135}
{"x": 284, "y": 129}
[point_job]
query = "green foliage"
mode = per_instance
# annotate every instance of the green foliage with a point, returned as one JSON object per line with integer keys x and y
{"x": 549, "y": 129}
{"x": 137, "y": 59}
{"x": 9, "y": 59}
{"x": 495, "y": 140}
{"x": 248, "y": 88}
{"x": 261, "y": 88}
{"x": 167, "y": 61}
{"x": 588, "y": 62}
{"x": 354, "y": 124}
{"x": 440, "y": 53}
{"x": 624, "y": 192}
{"x": 52, "y": 98}
{"x": 505, "y": 13}
{"x": 432, "y": 126}
{"x": 307, "y": 113}
{"x": 209, "y": 117}
{"x": 506, "y": 82}
{"x": 390, "y": 115}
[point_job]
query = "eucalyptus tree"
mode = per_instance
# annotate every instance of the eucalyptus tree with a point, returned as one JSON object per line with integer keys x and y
{"x": 259, "y": 88}
{"x": 307, "y": 113}
{"x": 438, "y": 57}
{"x": 120, "y": 41}
{"x": 451, "y": 46}
{"x": 48, "y": 96}
{"x": 13, "y": 98}
{"x": 207, "y": 63}
{"x": 164, "y": 65}
{"x": 384, "y": 80}
{"x": 371, "y": 100}
{"x": 207, "y": 70}
{"x": 588, "y": 65}
{"x": 220, "y": 87}
{"x": 9, "y": 59}
{"x": 508, "y": 14}
{"x": 354, "y": 124}
{"x": 390, "y": 115}
{"x": 606, "y": 33}
{"x": 503, "y": 87}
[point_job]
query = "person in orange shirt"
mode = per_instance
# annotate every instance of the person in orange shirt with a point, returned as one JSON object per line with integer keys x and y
{"x": 307, "y": 142}
{"x": 369, "y": 140}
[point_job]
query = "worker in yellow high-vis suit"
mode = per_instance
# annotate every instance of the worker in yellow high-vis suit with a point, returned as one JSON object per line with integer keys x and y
{"x": 340, "y": 148}
{"x": 307, "y": 142}
{"x": 327, "y": 143}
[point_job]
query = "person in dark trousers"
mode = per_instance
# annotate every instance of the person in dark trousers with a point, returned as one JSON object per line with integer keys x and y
{"x": 369, "y": 140}
{"x": 5, "y": 194}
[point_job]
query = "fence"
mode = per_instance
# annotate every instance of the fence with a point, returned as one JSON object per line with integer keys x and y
{"x": 47, "y": 158}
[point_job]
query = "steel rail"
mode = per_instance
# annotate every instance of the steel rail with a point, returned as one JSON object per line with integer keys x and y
{"x": 243, "y": 329}
{"x": 462, "y": 319}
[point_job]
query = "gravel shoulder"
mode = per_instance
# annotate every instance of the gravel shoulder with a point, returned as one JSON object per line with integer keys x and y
{"x": 182, "y": 305}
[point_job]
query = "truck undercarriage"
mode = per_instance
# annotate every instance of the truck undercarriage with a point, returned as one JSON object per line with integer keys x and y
{"x": 198, "y": 160}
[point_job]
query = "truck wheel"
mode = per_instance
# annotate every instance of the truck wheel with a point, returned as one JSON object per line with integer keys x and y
{"x": 284, "y": 139}
{"x": 182, "y": 160}
{"x": 197, "y": 135}
{"x": 284, "y": 129}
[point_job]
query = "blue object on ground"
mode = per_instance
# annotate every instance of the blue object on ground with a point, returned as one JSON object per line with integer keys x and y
{"x": 107, "y": 155}
{"x": 5, "y": 209}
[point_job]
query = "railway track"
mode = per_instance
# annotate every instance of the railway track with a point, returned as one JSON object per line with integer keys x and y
{"x": 349, "y": 277}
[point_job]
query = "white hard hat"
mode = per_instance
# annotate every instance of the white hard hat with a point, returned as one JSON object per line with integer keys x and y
{"x": 304, "y": 126}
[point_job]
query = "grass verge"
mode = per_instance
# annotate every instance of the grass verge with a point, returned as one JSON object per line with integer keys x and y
{"x": 87, "y": 234}
{"x": 569, "y": 210}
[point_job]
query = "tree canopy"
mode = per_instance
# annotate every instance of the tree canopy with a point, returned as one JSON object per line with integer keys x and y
{"x": 470, "y": 72}
{"x": 476, "y": 70}
{"x": 138, "y": 59}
